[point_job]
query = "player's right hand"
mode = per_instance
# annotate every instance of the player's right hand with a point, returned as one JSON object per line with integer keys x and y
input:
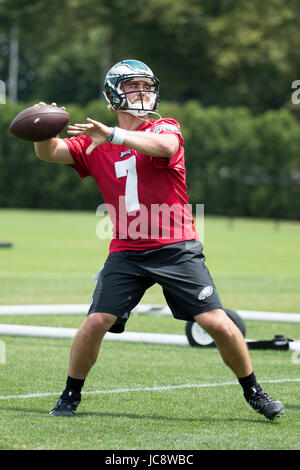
{"x": 52, "y": 104}
{"x": 98, "y": 132}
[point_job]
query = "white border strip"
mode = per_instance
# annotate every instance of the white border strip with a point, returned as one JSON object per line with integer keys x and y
{"x": 144, "y": 389}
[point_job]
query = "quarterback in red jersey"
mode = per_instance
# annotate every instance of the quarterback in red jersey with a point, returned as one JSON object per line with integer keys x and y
{"x": 139, "y": 168}
{"x": 135, "y": 189}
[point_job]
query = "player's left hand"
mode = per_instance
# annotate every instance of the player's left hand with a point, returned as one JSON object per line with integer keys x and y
{"x": 98, "y": 132}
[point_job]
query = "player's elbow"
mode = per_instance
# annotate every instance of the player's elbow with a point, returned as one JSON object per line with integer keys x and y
{"x": 169, "y": 147}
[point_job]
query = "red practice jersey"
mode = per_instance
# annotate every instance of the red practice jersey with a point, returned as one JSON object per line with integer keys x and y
{"x": 146, "y": 197}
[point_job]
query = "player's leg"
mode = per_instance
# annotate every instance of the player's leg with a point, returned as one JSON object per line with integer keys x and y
{"x": 228, "y": 339}
{"x": 86, "y": 344}
{"x": 191, "y": 293}
{"x": 83, "y": 355}
{"x": 234, "y": 351}
{"x": 119, "y": 289}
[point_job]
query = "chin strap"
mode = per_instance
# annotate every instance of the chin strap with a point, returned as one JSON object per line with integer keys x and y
{"x": 138, "y": 117}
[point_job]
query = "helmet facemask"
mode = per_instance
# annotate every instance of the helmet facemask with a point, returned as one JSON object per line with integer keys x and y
{"x": 145, "y": 99}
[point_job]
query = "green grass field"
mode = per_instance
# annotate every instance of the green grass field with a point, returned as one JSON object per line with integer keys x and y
{"x": 141, "y": 396}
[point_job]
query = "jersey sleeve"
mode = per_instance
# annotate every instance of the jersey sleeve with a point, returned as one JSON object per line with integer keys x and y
{"x": 77, "y": 148}
{"x": 168, "y": 126}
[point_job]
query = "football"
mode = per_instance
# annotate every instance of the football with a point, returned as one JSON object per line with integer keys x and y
{"x": 39, "y": 122}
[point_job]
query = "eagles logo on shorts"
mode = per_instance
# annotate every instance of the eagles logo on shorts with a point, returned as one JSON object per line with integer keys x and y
{"x": 206, "y": 292}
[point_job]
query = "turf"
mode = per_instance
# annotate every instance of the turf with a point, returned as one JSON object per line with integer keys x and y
{"x": 188, "y": 418}
{"x": 53, "y": 258}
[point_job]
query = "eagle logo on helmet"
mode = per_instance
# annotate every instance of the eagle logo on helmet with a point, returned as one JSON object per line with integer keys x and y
{"x": 117, "y": 98}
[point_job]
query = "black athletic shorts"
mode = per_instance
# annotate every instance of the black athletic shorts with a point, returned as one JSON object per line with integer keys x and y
{"x": 179, "y": 268}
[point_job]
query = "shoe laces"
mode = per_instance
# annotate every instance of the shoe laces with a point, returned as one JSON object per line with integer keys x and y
{"x": 69, "y": 396}
{"x": 259, "y": 394}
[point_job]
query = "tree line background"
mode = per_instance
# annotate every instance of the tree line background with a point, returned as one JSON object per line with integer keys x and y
{"x": 226, "y": 69}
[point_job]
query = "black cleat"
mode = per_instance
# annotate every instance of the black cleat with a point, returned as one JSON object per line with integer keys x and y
{"x": 67, "y": 404}
{"x": 264, "y": 404}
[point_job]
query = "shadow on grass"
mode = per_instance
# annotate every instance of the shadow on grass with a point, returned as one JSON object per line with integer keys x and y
{"x": 292, "y": 407}
{"x": 102, "y": 414}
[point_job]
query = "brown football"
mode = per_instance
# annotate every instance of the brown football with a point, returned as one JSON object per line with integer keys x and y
{"x": 39, "y": 122}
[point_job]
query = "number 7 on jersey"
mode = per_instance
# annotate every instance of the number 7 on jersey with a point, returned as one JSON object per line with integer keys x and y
{"x": 128, "y": 168}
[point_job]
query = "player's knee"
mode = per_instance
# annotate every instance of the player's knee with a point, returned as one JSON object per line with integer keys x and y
{"x": 100, "y": 321}
{"x": 216, "y": 323}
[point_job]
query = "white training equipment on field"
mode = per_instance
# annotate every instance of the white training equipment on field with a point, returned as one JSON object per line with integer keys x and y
{"x": 56, "y": 332}
{"x": 152, "y": 338}
{"x": 159, "y": 310}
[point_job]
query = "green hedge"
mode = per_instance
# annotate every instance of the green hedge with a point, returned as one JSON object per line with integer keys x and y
{"x": 237, "y": 164}
{"x": 240, "y": 164}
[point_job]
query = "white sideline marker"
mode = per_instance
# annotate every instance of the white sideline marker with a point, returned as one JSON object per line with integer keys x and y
{"x": 158, "y": 388}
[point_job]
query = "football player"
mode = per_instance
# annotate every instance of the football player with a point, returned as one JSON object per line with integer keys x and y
{"x": 140, "y": 171}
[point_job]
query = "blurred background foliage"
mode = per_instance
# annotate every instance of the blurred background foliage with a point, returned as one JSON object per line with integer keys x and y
{"x": 226, "y": 70}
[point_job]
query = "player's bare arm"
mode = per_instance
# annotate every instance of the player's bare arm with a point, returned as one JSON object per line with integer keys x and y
{"x": 155, "y": 145}
{"x": 54, "y": 150}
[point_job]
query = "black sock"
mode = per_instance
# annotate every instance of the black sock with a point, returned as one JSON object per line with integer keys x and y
{"x": 247, "y": 383}
{"x": 74, "y": 384}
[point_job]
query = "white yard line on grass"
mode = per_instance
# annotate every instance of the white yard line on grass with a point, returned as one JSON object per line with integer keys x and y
{"x": 144, "y": 389}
